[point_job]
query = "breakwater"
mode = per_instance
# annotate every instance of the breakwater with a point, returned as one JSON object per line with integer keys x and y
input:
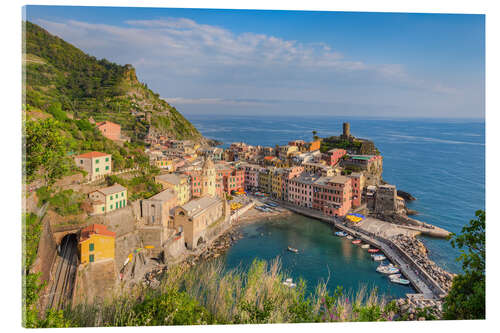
{"x": 420, "y": 279}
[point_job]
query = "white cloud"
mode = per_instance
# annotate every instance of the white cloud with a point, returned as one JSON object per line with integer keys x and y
{"x": 211, "y": 65}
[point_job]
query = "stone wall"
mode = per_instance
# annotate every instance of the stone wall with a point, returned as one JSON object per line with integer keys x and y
{"x": 47, "y": 252}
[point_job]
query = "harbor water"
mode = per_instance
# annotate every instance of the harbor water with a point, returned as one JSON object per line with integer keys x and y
{"x": 439, "y": 161}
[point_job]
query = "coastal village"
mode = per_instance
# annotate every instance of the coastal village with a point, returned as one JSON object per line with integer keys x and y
{"x": 206, "y": 190}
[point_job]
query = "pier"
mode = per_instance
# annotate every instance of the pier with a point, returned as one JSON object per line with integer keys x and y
{"x": 419, "y": 278}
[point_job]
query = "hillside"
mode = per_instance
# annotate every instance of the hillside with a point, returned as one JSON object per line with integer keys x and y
{"x": 59, "y": 73}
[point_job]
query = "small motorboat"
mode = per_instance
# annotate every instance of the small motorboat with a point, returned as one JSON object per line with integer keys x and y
{"x": 292, "y": 249}
{"x": 349, "y": 237}
{"x": 365, "y": 246}
{"x": 289, "y": 283}
{"x": 373, "y": 250}
{"x": 378, "y": 257}
{"x": 356, "y": 241}
{"x": 394, "y": 276}
{"x": 400, "y": 281}
{"x": 387, "y": 269}
{"x": 340, "y": 234}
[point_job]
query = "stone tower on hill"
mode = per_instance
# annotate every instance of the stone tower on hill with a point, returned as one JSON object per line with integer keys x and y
{"x": 346, "y": 134}
{"x": 208, "y": 178}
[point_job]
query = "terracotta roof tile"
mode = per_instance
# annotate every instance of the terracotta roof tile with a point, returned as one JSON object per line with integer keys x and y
{"x": 92, "y": 154}
{"x": 95, "y": 229}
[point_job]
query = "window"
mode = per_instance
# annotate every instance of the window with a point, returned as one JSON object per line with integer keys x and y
{"x": 103, "y": 208}
{"x": 122, "y": 194}
{"x": 116, "y": 205}
{"x": 107, "y": 167}
{"x": 107, "y": 159}
{"x": 91, "y": 247}
{"x": 116, "y": 196}
{"x": 91, "y": 258}
{"x": 97, "y": 161}
{"x": 81, "y": 161}
{"x": 111, "y": 198}
{"x": 96, "y": 169}
{"x": 110, "y": 206}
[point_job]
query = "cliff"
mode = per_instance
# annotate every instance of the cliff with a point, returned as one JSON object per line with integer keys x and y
{"x": 58, "y": 73}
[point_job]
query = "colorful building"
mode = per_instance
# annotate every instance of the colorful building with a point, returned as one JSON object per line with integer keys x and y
{"x": 96, "y": 243}
{"x": 357, "y": 185}
{"x": 95, "y": 163}
{"x": 332, "y": 195}
{"x": 300, "y": 189}
{"x": 333, "y": 156}
{"x": 110, "y": 130}
{"x": 179, "y": 183}
{"x": 265, "y": 180}
{"x": 108, "y": 199}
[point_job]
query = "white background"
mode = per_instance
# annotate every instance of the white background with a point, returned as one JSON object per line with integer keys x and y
{"x": 10, "y": 108}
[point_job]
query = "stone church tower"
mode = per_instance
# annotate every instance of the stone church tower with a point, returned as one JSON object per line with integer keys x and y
{"x": 208, "y": 178}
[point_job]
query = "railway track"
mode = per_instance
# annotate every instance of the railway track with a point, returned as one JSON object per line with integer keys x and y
{"x": 61, "y": 290}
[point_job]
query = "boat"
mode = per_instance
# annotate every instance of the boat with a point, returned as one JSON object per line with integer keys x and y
{"x": 294, "y": 250}
{"x": 373, "y": 250}
{"x": 349, "y": 237}
{"x": 365, "y": 246}
{"x": 340, "y": 234}
{"x": 289, "y": 283}
{"x": 400, "y": 281}
{"x": 387, "y": 269}
{"x": 356, "y": 241}
{"x": 394, "y": 276}
{"x": 378, "y": 257}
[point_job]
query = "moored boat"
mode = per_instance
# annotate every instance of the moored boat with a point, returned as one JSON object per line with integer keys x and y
{"x": 373, "y": 250}
{"x": 394, "y": 276}
{"x": 378, "y": 257}
{"x": 349, "y": 237}
{"x": 292, "y": 249}
{"x": 387, "y": 269}
{"x": 340, "y": 234}
{"x": 356, "y": 241}
{"x": 400, "y": 281}
{"x": 365, "y": 246}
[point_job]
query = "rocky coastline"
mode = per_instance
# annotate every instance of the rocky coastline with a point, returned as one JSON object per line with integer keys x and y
{"x": 417, "y": 250}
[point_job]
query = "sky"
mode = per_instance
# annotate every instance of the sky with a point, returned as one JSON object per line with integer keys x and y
{"x": 243, "y": 62}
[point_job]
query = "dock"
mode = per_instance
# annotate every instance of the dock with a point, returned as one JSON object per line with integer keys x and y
{"x": 418, "y": 277}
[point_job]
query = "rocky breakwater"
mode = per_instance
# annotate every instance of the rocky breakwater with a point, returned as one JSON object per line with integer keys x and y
{"x": 216, "y": 248}
{"x": 419, "y": 253}
{"x": 417, "y": 308}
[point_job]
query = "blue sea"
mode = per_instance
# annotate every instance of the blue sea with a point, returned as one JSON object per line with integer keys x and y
{"x": 441, "y": 162}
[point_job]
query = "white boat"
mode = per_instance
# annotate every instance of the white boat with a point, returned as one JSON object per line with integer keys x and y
{"x": 340, "y": 234}
{"x": 349, "y": 237}
{"x": 387, "y": 269}
{"x": 289, "y": 283}
{"x": 400, "y": 281}
{"x": 394, "y": 276}
{"x": 292, "y": 249}
{"x": 365, "y": 246}
{"x": 378, "y": 257}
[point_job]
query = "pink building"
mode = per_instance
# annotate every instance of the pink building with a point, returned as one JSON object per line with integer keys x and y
{"x": 300, "y": 189}
{"x": 333, "y": 156}
{"x": 357, "y": 183}
{"x": 288, "y": 174}
{"x": 251, "y": 176}
{"x": 332, "y": 195}
{"x": 109, "y": 130}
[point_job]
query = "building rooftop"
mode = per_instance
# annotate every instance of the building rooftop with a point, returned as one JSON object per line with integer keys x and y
{"x": 106, "y": 122}
{"x": 171, "y": 178}
{"x": 95, "y": 229}
{"x": 196, "y": 206}
{"x": 92, "y": 154}
{"x": 111, "y": 189}
{"x": 166, "y": 195}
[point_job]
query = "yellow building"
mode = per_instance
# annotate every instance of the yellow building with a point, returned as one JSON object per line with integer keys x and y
{"x": 179, "y": 183}
{"x": 276, "y": 183}
{"x": 96, "y": 243}
{"x": 265, "y": 180}
{"x": 164, "y": 163}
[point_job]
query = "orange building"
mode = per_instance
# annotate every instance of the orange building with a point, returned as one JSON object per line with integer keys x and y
{"x": 109, "y": 130}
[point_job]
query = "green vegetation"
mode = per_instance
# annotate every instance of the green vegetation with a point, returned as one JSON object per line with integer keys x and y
{"x": 64, "y": 82}
{"x": 206, "y": 294}
{"x": 142, "y": 186}
{"x": 66, "y": 202}
{"x": 466, "y": 299}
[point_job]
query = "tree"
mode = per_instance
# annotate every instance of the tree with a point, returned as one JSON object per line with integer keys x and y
{"x": 466, "y": 299}
{"x": 315, "y": 136}
{"x": 45, "y": 150}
